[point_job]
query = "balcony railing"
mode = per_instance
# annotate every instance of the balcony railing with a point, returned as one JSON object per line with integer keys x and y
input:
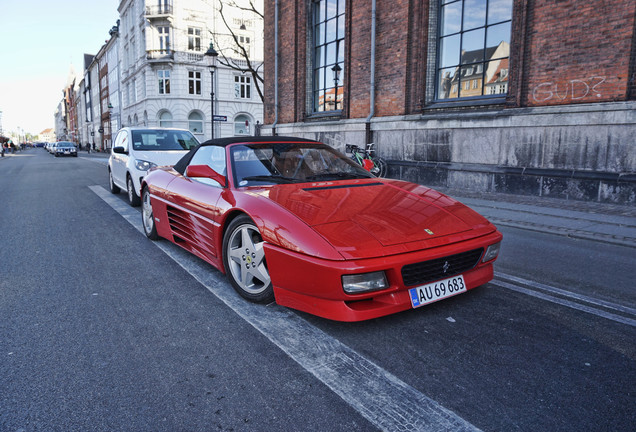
{"x": 159, "y": 10}
{"x": 160, "y": 55}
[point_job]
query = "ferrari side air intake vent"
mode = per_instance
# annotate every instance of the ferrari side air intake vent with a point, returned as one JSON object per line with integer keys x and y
{"x": 440, "y": 268}
{"x": 189, "y": 233}
{"x": 180, "y": 224}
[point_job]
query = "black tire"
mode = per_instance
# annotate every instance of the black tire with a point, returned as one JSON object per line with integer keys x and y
{"x": 113, "y": 189}
{"x": 244, "y": 261}
{"x": 147, "y": 215}
{"x": 133, "y": 198}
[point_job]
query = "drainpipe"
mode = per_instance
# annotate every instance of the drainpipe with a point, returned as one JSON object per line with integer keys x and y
{"x": 367, "y": 125}
{"x": 276, "y": 67}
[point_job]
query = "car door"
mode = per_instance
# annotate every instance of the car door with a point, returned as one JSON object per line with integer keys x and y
{"x": 194, "y": 221}
{"x": 120, "y": 160}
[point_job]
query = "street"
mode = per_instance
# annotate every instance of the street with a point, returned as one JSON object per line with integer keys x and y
{"x": 105, "y": 330}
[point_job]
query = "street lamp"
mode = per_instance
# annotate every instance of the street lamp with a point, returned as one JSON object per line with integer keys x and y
{"x": 336, "y": 77}
{"x": 210, "y": 57}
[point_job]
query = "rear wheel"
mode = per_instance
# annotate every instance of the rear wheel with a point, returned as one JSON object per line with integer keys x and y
{"x": 133, "y": 198}
{"x": 244, "y": 260}
{"x": 379, "y": 168}
{"x": 147, "y": 216}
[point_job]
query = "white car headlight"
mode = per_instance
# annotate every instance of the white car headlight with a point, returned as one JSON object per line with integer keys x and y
{"x": 359, "y": 283}
{"x": 491, "y": 252}
{"x": 143, "y": 165}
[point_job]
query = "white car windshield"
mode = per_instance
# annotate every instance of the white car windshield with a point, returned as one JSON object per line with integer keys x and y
{"x": 161, "y": 140}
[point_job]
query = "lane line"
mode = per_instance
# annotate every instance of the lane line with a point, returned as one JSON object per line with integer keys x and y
{"x": 565, "y": 301}
{"x": 382, "y": 398}
{"x": 554, "y": 290}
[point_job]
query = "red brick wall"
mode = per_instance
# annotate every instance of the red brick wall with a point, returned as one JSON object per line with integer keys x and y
{"x": 562, "y": 52}
{"x": 359, "y": 64}
{"x": 578, "y": 51}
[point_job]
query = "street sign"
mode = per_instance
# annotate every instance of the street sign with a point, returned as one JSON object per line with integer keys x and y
{"x": 220, "y": 118}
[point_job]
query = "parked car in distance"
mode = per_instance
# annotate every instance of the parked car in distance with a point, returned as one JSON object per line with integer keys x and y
{"x": 295, "y": 221}
{"x": 64, "y": 148}
{"x": 136, "y": 150}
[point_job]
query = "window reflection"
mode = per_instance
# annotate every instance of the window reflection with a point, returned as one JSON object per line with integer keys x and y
{"x": 328, "y": 60}
{"x": 474, "y": 48}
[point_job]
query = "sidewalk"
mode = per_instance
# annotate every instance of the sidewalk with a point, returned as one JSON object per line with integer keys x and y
{"x": 608, "y": 223}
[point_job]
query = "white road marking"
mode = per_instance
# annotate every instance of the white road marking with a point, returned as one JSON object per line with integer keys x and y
{"x": 382, "y": 398}
{"x": 101, "y": 161}
{"x": 567, "y": 298}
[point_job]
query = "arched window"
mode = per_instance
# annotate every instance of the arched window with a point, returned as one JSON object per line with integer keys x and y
{"x": 242, "y": 125}
{"x": 195, "y": 122}
{"x": 165, "y": 119}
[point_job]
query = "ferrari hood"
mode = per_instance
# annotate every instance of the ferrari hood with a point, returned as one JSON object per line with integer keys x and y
{"x": 368, "y": 214}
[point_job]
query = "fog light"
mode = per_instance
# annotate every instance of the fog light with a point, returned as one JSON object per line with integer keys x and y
{"x": 491, "y": 252}
{"x": 359, "y": 283}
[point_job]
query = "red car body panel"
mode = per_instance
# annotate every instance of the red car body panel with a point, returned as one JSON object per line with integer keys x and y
{"x": 315, "y": 232}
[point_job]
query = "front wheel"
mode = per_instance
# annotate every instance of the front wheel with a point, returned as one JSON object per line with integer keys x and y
{"x": 147, "y": 216}
{"x": 244, "y": 260}
{"x": 133, "y": 198}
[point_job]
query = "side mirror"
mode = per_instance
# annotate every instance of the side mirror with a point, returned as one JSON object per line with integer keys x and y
{"x": 119, "y": 150}
{"x": 204, "y": 171}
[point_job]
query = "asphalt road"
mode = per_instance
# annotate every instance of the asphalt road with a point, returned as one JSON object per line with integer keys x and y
{"x": 102, "y": 329}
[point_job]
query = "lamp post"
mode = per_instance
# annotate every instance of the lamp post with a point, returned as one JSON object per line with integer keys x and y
{"x": 336, "y": 77}
{"x": 210, "y": 57}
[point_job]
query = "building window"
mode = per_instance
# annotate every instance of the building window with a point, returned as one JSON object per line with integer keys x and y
{"x": 194, "y": 82}
{"x": 242, "y": 87}
{"x": 244, "y": 43}
{"x": 133, "y": 91}
{"x": 164, "y": 81}
{"x": 242, "y": 125}
{"x": 194, "y": 39}
{"x": 328, "y": 54}
{"x": 473, "y": 45}
{"x": 165, "y": 119}
{"x": 195, "y": 123}
{"x": 164, "y": 38}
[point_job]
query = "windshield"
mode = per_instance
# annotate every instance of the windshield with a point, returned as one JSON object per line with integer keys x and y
{"x": 160, "y": 140}
{"x": 276, "y": 163}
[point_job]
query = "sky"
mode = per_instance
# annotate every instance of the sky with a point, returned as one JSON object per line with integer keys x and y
{"x": 39, "y": 41}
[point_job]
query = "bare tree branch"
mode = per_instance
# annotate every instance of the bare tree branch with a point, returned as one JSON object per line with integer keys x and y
{"x": 255, "y": 70}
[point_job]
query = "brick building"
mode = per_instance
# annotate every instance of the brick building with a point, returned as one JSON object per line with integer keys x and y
{"x": 519, "y": 96}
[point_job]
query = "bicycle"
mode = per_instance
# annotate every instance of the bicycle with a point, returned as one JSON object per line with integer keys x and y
{"x": 367, "y": 159}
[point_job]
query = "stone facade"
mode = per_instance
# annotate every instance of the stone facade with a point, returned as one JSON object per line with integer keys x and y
{"x": 564, "y": 128}
{"x": 165, "y": 80}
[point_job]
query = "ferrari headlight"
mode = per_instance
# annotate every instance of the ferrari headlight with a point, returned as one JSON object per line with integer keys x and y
{"x": 143, "y": 165}
{"x": 491, "y": 252}
{"x": 359, "y": 283}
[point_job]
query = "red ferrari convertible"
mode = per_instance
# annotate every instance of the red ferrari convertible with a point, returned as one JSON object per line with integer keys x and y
{"x": 295, "y": 221}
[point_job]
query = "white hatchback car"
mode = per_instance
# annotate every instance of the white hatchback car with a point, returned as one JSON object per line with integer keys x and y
{"x": 136, "y": 150}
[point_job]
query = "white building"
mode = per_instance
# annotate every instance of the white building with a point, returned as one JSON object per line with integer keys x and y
{"x": 165, "y": 80}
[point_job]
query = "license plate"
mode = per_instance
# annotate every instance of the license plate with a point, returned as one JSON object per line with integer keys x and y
{"x": 435, "y": 291}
